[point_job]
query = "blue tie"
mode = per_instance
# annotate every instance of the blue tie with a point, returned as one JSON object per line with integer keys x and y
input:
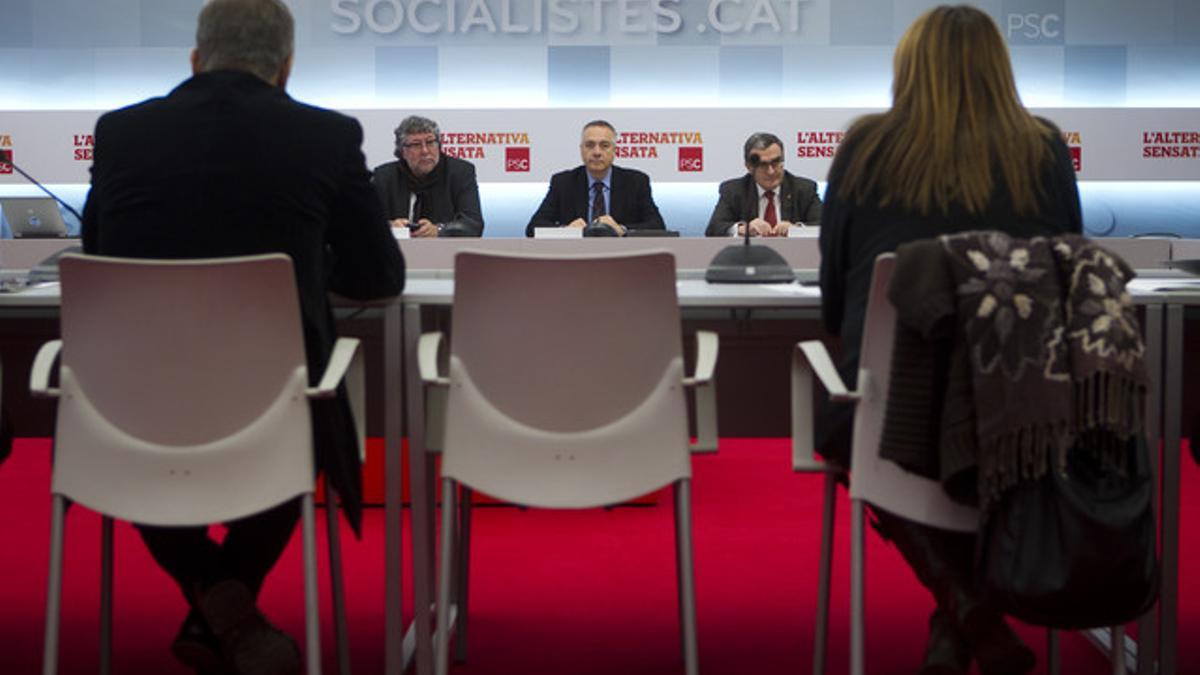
{"x": 597, "y": 200}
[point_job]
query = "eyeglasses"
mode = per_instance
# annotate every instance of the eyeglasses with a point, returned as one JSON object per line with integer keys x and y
{"x": 764, "y": 163}
{"x": 420, "y": 145}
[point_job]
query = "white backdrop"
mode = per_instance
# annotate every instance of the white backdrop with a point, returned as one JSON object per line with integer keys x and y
{"x": 672, "y": 145}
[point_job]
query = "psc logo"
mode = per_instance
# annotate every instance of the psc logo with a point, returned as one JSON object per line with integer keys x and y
{"x": 1074, "y": 141}
{"x": 691, "y": 158}
{"x": 1034, "y": 27}
{"x": 516, "y": 159}
{"x": 6, "y": 154}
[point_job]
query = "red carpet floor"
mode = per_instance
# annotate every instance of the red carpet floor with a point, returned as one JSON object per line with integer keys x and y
{"x": 552, "y": 592}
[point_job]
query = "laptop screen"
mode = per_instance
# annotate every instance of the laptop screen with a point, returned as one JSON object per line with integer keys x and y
{"x": 33, "y": 217}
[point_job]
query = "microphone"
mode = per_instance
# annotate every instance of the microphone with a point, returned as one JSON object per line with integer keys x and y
{"x": 747, "y": 263}
{"x": 456, "y": 227}
{"x": 598, "y": 229}
{"x": 6, "y": 157}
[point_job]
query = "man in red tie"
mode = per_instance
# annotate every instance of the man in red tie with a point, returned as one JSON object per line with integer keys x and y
{"x": 768, "y": 200}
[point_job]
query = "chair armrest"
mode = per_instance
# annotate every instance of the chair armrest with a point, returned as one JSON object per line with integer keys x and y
{"x": 346, "y": 364}
{"x": 437, "y": 387}
{"x": 707, "y": 346}
{"x": 811, "y": 356}
{"x": 39, "y": 375}
{"x": 427, "y": 359}
{"x": 343, "y": 354}
{"x": 701, "y": 382}
{"x": 356, "y": 390}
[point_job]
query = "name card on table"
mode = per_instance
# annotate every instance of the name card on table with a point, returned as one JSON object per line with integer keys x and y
{"x": 558, "y": 233}
{"x": 801, "y": 231}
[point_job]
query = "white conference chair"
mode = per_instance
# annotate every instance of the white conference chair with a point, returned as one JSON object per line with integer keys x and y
{"x": 183, "y": 400}
{"x": 872, "y": 479}
{"x": 566, "y": 389}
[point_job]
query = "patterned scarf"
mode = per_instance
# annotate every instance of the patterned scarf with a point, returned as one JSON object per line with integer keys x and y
{"x": 1056, "y": 354}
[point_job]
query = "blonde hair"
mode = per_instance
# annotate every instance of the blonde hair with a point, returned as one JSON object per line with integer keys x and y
{"x": 956, "y": 119}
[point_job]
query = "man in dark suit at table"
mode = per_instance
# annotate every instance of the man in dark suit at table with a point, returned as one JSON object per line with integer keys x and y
{"x": 608, "y": 197}
{"x": 425, "y": 190}
{"x": 228, "y": 164}
{"x": 768, "y": 200}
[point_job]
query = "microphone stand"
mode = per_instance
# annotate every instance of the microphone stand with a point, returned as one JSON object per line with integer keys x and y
{"x": 748, "y": 263}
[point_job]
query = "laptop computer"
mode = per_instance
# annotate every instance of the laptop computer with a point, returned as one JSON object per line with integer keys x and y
{"x": 33, "y": 217}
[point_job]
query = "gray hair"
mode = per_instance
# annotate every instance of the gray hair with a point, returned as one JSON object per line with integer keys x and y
{"x": 251, "y": 35}
{"x": 759, "y": 141}
{"x": 414, "y": 124}
{"x": 600, "y": 123}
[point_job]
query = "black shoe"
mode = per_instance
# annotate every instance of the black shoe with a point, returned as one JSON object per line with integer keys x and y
{"x": 997, "y": 649}
{"x": 248, "y": 641}
{"x": 946, "y": 652}
{"x": 943, "y": 562}
{"x": 196, "y": 647}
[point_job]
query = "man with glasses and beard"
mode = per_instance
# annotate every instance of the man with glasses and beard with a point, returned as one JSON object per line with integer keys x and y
{"x": 432, "y": 194}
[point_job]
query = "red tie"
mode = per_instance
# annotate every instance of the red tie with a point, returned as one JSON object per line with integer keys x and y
{"x": 769, "y": 212}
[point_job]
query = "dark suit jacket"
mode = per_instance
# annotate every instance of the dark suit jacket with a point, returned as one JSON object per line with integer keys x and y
{"x": 228, "y": 165}
{"x": 630, "y": 202}
{"x": 453, "y": 202}
{"x": 798, "y": 202}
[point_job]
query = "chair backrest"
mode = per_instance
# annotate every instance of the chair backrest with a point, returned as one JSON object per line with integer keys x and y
{"x": 182, "y": 388}
{"x": 566, "y": 378}
{"x": 872, "y": 478}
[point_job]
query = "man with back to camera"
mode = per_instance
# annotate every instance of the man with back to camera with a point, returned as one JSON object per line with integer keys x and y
{"x": 768, "y": 200}
{"x": 432, "y": 194}
{"x": 597, "y": 192}
{"x": 228, "y": 164}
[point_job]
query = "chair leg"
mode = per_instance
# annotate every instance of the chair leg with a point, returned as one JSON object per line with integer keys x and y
{"x": 1147, "y": 640}
{"x": 106, "y": 594}
{"x": 680, "y": 602}
{"x": 312, "y": 611}
{"x": 857, "y": 600}
{"x": 53, "y": 587}
{"x": 1118, "y": 649}
{"x": 824, "y": 571}
{"x": 1052, "y": 654}
{"x": 441, "y": 638}
{"x": 687, "y": 582}
{"x": 462, "y": 575}
{"x": 336, "y": 579}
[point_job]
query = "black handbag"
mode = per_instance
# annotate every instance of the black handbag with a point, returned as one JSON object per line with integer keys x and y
{"x": 1076, "y": 548}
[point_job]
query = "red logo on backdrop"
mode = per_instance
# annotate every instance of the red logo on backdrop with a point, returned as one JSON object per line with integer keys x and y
{"x": 1076, "y": 157}
{"x": 691, "y": 158}
{"x": 516, "y": 159}
{"x": 82, "y": 145}
{"x": 6, "y": 161}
